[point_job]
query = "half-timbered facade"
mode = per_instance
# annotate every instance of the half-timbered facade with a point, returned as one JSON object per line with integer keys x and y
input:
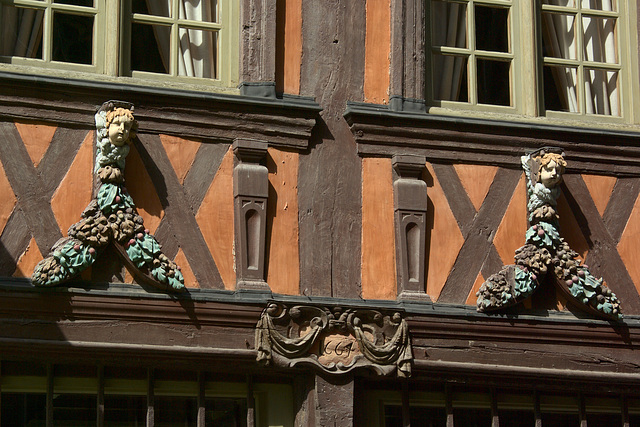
{"x": 337, "y": 181}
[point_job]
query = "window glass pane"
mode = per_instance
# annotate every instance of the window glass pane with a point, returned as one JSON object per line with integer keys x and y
{"x": 599, "y": 40}
{"x": 560, "y": 89}
{"x": 23, "y": 409}
{"x": 492, "y": 30}
{"x": 72, "y": 38}
{"x": 197, "y": 57}
{"x": 472, "y": 417}
{"x": 609, "y": 5}
{"x": 199, "y": 10}
{"x": 560, "y": 420}
{"x": 494, "y": 82}
{"x": 516, "y": 418}
{"x": 175, "y": 411}
{"x": 423, "y": 416}
{"x": 565, "y": 3}
{"x": 157, "y": 8}
{"x": 601, "y": 92}
{"x": 449, "y": 24}
{"x": 120, "y": 411}
{"x": 602, "y": 420}
{"x": 74, "y": 410}
{"x": 21, "y": 32}
{"x": 450, "y": 78}
{"x": 150, "y": 48}
{"x": 558, "y": 35}
{"x": 87, "y": 3}
{"x": 226, "y": 412}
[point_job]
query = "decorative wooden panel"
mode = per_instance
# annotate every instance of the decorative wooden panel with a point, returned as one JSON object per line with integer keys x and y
{"x": 182, "y": 188}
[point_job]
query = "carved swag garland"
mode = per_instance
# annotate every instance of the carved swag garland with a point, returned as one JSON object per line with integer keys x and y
{"x": 545, "y": 251}
{"x": 111, "y": 217}
{"x": 298, "y": 335}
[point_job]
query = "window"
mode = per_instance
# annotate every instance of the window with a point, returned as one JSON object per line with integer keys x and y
{"x": 430, "y": 405}
{"x": 38, "y": 394}
{"x": 552, "y": 57}
{"x": 181, "y": 40}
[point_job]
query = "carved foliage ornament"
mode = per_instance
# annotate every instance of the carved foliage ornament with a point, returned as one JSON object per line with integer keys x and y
{"x": 334, "y": 339}
{"x": 111, "y": 217}
{"x": 545, "y": 253}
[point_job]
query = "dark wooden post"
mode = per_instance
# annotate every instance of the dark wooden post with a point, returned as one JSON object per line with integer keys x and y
{"x": 334, "y": 401}
{"x": 250, "y": 191}
{"x": 410, "y": 198}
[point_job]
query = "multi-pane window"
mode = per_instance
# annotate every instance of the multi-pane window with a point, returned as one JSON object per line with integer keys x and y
{"x": 472, "y": 52}
{"x": 532, "y": 57}
{"x": 38, "y": 394}
{"x": 148, "y": 39}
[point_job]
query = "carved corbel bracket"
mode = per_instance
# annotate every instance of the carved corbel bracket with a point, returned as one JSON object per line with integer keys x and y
{"x": 410, "y": 199}
{"x": 335, "y": 339}
{"x": 250, "y": 191}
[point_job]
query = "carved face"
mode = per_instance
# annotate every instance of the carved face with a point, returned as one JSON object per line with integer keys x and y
{"x": 551, "y": 174}
{"x": 119, "y": 130}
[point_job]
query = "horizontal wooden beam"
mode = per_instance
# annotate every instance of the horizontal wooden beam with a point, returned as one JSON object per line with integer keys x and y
{"x": 380, "y": 131}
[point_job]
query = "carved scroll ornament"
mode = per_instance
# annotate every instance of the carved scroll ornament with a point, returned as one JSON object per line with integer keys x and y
{"x": 545, "y": 253}
{"x": 335, "y": 340}
{"x": 111, "y": 217}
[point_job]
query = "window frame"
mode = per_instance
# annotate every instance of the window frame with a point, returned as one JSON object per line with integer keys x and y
{"x": 528, "y": 62}
{"x": 111, "y": 46}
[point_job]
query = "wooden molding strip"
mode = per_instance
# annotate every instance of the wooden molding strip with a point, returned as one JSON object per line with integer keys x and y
{"x": 283, "y": 122}
{"x": 379, "y": 131}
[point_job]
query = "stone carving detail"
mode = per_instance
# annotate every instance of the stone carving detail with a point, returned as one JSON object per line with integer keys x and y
{"x": 111, "y": 217}
{"x": 545, "y": 253}
{"x": 334, "y": 339}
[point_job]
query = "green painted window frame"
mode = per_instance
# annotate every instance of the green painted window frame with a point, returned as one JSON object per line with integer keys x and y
{"x": 525, "y": 29}
{"x": 111, "y": 44}
{"x": 49, "y": 7}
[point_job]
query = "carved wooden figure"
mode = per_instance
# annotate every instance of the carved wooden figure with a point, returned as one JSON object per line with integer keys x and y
{"x": 545, "y": 251}
{"x": 111, "y": 217}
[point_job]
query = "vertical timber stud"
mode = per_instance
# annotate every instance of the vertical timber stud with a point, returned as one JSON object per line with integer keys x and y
{"x": 410, "y": 199}
{"x": 250, "y": 192}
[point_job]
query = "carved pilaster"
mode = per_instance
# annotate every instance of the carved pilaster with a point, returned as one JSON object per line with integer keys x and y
{"x": 410, "y": 198}
{"x": 250, "y": 191}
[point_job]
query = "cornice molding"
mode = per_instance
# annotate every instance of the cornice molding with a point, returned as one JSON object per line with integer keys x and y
{"x": 380, "y": 131}
{"x": 283, "y": 122}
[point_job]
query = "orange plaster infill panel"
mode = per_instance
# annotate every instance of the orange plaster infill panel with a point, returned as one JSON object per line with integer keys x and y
{"x": 36, "y": 139}
{"x": 292, "y": 46}
{"x": 141, "y": 188}
{"x": 600, "y": 188}
{"x": 472, "y": 299}
{"x": 283, "y": 269}
{"x": 513, "y": 227}
{"x": 190, "y": 280}
{"x": 570, "y": 229}
{"x": 215, "y": 218}
{"x": 379, "y": 278}
{"x": 377, "y": 51}
{"x": 476, "y": 180}
{"x": 181, "y": 153}
{"x": 628, "y": 246}
{"x": 74, "y": 192}
{"x": 28, "y": 260}
{"x": 8, "y": 199}
{"x": 444, "y": 240}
